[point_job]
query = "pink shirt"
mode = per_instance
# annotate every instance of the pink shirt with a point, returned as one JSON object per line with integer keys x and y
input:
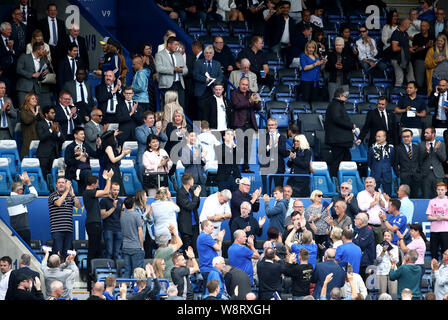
{"x": 151, "y": 161}
{"x": 418, "y": 245}
{"x": 438, "y": 207}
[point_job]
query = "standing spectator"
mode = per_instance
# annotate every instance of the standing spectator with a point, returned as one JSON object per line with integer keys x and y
{"x": 205, "y": 71}
{"x": 8, "y": 115}
{"x": 348, "y": 253}
{"x": 367, "y": 49}
{"x": 16, "y": 206}
{"x": 228, "y": 163}
{"x": 437, "y": 100}
{"x": 140, "y": 84}
{"x": 207, "y": 247}
{"x": 8, "y": 58}
{"x": 387, "y": 30}
{"x": 432, "y": 155}
{"x": 171, "y": 68}
{"x": 241, "y": 253}
{"x": 436, "y": 62}
{"x": 408, "y": 275}
{"x": 23, "y": 290}
{"x": 171, "y": 105}
{"x": 270, "y": 271}
{"x": 216, "y": 274}
{"x": 380, "y": 159}
{"x": 380, "y": 119}
{"x": 437, "y": 214}
{"x": 298, "y": 44}
{"x": 193, "y": 159}
{"x": 438, "y": 25}
{"x": 176, "y": 130}
{"x": 426, "y": 10}
{"x": 131, "y": 225}
{"x": 325, "y": 268}
{"x": 421, "y": 43}
{"x": 80, "y": 41}
{"x": 108, "y": 94}
{"x": 54, "y": 270}
{"x": 365, "y": 239}
{"x": 224, "y": 55}
{"x": 93, "y": 212}
{"x": 81, "y": 92}
{"x": 301, "y": 271}
{"x": 396, "y": 222}
{"x": 216, "y": 209}
{"x": 316, "y": 18}
{"x": 338, "y": 131}
{"x": 18, "y": 32}
{"x": 111, "y": 210}
{"x": 346, "y": 195}
{"x": 164, "y": 211}
{"x": 237, "y": 282}
{"x": 68, "y": 116}
{"x": 94, "y": 129}
{"x": 400, "y": 56}
{"x": 407, "y": 206}
{"x": 5, "y": 269}
{"x": 276, "y": 213}
{"x": 208, "y": 141}
{"x": 418, "y": 244}
{"x": 145, "y": 291}
{"x": 23, "y": 270}
{"x": 439, "y": 275}
{"x": 188, "y": 201}
{"x": 411, "y": 107}
{"x": 166, "y": 250}
{"x": 181, "y": 272}
{"x": 156, "y": 162}
{"x": 415, "y": 24}
{"x": 300, "y": 163}
{"x": 407, "y": 162}
{"x": 129, "y": 115}
{"x": 60, "y": 208}
{"x": 385, "y": 253}
{"x": 311, "y": 66}
{"x": 145, "y": 209}
{"x": 339, "y": 65}
{"x": 30, "y": 114}
{"x": 280, "y": 28}
{"x": 68, "y": 66}
{"x": 307, "y": 243}
{"x": 246, "y": 222}
{"x": 29, "y": 17}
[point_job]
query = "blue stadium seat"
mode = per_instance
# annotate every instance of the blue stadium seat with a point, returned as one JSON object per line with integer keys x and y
{"x": 180, "y": 170}
{"x": 348, "y": 172}
{"x": 64, "y": 146}
{"x": 95, "y": 166}
{"x": 285, "y": 93}
{"x": 133, "y": 145}
{"x": 33, "y": 148}
{"x": 439, "y": 134}
{"x": 289, "y": 76}
{"x": 129, "y": 175}
{"x": 32, "y": 167}
{"x": 57, "y": 169}
{"x": 322, "y": 180}
{"x": 5, "y": 177}
{"x": 8, "y": 149}
{"x": 297, "y": 107}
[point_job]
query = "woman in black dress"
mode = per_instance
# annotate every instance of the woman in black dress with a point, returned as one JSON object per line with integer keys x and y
{"x": 300, "y": 163}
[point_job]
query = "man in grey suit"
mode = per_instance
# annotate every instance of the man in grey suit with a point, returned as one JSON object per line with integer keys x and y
{"x": 171, "y": 68}
{"x": 8, "y": 115}
{"x": 431, "y": 155}
{"x": 193, "y": 159}
{"x": 29, "y": 72}
{"x": 94, "y": 129}
{"x": 407, "y": 161}
{"x": 81, "y": 92}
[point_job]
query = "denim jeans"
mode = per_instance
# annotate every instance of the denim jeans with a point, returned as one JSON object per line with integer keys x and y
{"x": 112, "y": 240}
{"x": 62, "y": 241}
{"x": 133, "y": 258}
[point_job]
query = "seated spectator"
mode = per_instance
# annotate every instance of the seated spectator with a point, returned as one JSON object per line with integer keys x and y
{"x": 311, "y": 67}
{"x": 301, "y": 271}
{"x": 228, "y": 10}
{"x": 408, "y": 275}
{"x": 216, "y": 274}
{"x": 241, "y": 253}
{"x": 97, "y": 292}
{"x": 53, "y": 270}
{"x": 224, "y": 55}
{"x": 367, "y": 53}
{"x": 171, "y": 105}
{"x": 439, "y": 274}
{"x": 23, "y": 291}
{"x": 346, "y": 195}
{"x": 157, "y": 163}
{"x": 56, "y": 290}
{"x": 172, "y": 293}
{"x": 270, "y": 10}
{"x": 300, "y": 163}
{"x": 436, "y": 63}
{"x": 247, "y": 223}
{"x": 411, "y": 107}
{"x": 164, "y": 212}
{"x": 213, "y": 289}
{"x": 307, "y": 243}
{"x": 340, "y": 63}
{"x": 145, "y": 290}
{"x": 421, "y": 43}
{"x": 180, "y": 273}
{"x": 244, "y": 72}
{"x": 30, "y": 115}
{"x": 166, "y": 249}
{"x": 385, "y": 252}
{"x": 348, "y": 254}
{"x": 110, "y": 283}
{"x": 24, "y": 269}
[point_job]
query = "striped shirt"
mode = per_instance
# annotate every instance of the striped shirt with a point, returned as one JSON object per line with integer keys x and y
{"x": 61, "y": 218}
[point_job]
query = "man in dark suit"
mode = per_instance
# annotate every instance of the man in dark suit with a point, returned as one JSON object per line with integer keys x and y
{"x": 217, "y": 109}
{"x": 438, "y": 25}
{"x": 270, "y": 270}
{"x": 50, "y": 138}
{"x": 228, "y": 162}
{"x": 188, "y": 219}
{"x": 29, "y": 18}
{"x": 8, "y": 57}
{"x": 108, "y": 95}
{"x": 81, "y": 92}
{"x": 338, "y": 131}
{"x": 77, "y": 158}
{"x": 323, "y": 269}
{"x": 67, "y": 115}
{"x": 272, "y": 161}
{"x": 190, "y": 110}
{"x": 438, "y": 101}
{"x": 24, "y": 269}
{"x": 432, "y": 155}
{"x": 68, "y": 65}
{"x": 80, "y": 41}
{"x": 380, "y": 160}
{"x": 407, "y": 162}
{"x": 53, "y": 30}
{"x": 205, "y": 70}
{"x": 298, "y": 42}
{"x": 380, "y": 119}
{"x": 193, "y": 159}
{"x": 129, "y": 116}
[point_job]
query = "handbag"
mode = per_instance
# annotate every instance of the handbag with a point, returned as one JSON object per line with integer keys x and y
{"x": 155, "y": 180}
{"x": 50, "y": 78}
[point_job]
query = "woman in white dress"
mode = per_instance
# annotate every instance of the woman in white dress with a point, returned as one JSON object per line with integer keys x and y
{"x": 164, "y": 212}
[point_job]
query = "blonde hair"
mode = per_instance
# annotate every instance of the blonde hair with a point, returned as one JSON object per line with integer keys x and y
{"x": 168, "y": 34}
{"x": 314, "y": 193}
{"x": 184, "y": 121}
{"x": 140, "y": 273}
{"x": 304, "y": 145}
{"x": 307, "y": 237}
{"x": 336, "y": 233}
{"x": 437, "y": 51}
{"x": 157, "y": 265}
{"x": 171, "y": 96}
{"x": 161, "y": 194}
{"x": 314, "y": 44}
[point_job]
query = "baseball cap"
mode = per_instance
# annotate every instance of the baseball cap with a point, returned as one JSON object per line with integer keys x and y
{"x": 104, "y": 41}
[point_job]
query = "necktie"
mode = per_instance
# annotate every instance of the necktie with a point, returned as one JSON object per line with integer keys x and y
{"x": 174, "y": 64}
{"x": 410, "y": 152}
{"x": 192, "y": 155}
{"x": 431, "y": 147}
{"x": 4, "y": 123}
{"x": 110, "y": 104}
{"x": 23, "y": 14}
{"x": 71, "y": 125}
{"x": 73, "y": 68}
{"x": 209, "y": 67}
{"x": 130, "y": 106}
{"x": 81, "y": 88}
{"x": 55, "y": 34}
{"x": 50, "y": 123}
{"x": 383, "y": 117}
{"x": 193, "y": 220}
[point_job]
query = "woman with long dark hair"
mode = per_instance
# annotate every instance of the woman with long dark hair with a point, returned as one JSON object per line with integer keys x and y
{"x": 418, "y": 244}
{"x": 145, "y": 211}
{"x": 300, "y": 162}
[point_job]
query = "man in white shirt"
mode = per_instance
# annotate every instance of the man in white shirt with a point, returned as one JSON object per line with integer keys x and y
{"x": 208, "y": 141}
{"x": 216, "y": 209}
{"x": 440, "y": 276}
{"x": 367, "y": 51}
{"x": 373, "y": 203}
{"x": 5, "y": 268}
{"x": 438, "y": 100}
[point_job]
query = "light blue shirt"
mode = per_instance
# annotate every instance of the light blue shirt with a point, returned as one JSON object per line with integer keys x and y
{"x": 140, "y": 86}
{"x": 407, "y": 209}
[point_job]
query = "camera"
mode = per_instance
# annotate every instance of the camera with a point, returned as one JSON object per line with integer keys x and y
{"x": 385, "y": 243}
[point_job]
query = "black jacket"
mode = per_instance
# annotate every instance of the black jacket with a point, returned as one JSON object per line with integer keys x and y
{"x": 270, "y": 278}
{"x": 65, "y": 72}
{"x": 50, "y": 142}
{"x": 211, "y": 113}
{"x": 82, "y": 47}
{"x": 405, "y": 166}
{"x": 338, "y": 125}
{"x": 374, "y": 123}
{"x": 227, "y": 168}
{"x": 12, "y": 284}
{"x": 73, "y": 164}
{"x": 347, "y": 65}
{"x": 186, "y": 205}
